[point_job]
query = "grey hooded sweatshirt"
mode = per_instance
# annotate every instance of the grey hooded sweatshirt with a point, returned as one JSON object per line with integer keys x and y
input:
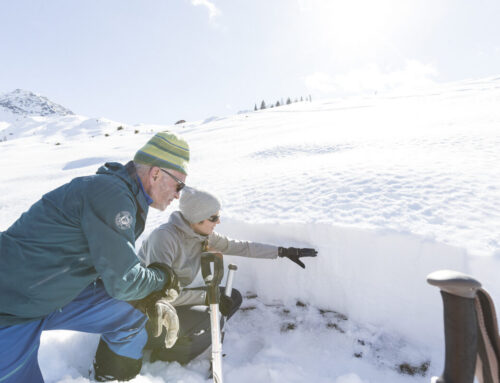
{"x": 179, "y": 246}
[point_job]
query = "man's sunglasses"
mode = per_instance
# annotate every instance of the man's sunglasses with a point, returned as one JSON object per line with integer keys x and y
{"x": 180, "y": 184}
{"x": 214, "y": 218}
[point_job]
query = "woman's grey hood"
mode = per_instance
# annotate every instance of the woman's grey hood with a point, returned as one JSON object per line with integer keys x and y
{"x": 177, "y": 219}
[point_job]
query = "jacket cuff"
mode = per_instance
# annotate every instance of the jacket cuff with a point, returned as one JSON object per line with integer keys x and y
{"x": 167, "y": 271}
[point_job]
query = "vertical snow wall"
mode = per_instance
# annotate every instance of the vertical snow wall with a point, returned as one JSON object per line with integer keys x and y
{"x": 374, "y": 277}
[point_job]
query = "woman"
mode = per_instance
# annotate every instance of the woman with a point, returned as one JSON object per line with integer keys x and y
{"x": 179, "y": 243}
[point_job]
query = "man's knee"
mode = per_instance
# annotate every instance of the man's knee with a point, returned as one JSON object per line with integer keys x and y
{"x": 18, "y": 352}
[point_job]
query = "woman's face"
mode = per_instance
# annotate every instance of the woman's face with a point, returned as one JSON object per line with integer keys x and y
{"x": 207, "y": 226}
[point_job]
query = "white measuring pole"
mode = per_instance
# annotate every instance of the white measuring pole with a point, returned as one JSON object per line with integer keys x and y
{"x": 212, "y": 281}
{"x": 230, "y": 276}
{"x": 214, "y": 325}
{"x": 216, "y": 343}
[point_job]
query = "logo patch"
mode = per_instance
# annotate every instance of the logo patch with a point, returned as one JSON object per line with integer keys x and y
{"x": 123, "y": 220}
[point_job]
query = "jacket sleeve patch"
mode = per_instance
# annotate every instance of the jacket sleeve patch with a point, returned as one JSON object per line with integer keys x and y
{"x": 123, "y": 220}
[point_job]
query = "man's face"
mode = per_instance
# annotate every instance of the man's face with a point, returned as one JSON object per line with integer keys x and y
{"x": 164, "y": 187}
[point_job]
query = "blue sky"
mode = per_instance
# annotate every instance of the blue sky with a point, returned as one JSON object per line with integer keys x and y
{"x": 158, "y": 61}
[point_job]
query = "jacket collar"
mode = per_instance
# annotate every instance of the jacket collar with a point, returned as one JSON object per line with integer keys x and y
{"x": 128, "y": 174}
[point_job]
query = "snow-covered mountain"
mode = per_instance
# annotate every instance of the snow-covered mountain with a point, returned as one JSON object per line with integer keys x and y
{"x": 26, "y": 103}
{"x": 26, "y": 114}
{"x": 387, "y": 188}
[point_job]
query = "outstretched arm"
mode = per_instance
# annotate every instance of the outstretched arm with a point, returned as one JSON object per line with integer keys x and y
{"x": 218, "y": 242}
{"x": 229, "y": 246}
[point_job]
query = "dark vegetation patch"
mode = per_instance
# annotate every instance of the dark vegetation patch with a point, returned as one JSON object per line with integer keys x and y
{"x": 300, "y": 304}
{"x": 289, "y": 326}
{"x": 408, "y": 369}
{"x": 248, "y": 308}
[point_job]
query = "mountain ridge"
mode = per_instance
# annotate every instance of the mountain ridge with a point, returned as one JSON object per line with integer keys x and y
{"x": 27, "y": 103}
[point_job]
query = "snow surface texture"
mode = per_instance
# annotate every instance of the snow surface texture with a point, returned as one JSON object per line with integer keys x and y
{"x": 387, "y": 188}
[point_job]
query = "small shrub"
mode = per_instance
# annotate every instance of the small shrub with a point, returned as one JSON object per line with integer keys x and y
{"x": 288, "y": 327}
{"x": 408, "y": 369}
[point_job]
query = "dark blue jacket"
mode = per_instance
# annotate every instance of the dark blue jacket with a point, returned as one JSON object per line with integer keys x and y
{"x": 74, "y": 234}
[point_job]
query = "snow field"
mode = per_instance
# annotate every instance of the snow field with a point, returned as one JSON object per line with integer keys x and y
{"x": 387, "y": 188}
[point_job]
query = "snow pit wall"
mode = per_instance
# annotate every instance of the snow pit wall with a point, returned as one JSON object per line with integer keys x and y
{"x": 376, "y": 278}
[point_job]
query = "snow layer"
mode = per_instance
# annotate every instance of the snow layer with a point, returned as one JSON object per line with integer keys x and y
{"x": 387, "y": 188}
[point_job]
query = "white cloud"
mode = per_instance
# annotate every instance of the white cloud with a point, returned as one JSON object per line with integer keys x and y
{"x": 213, "y": 11}
{"x": 371, "y": 79}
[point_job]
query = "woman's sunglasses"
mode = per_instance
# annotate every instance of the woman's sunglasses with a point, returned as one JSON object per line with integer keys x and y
{"x": 214, "y": 218}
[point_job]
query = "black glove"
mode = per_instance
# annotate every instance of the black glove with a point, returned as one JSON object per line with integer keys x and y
{"x": 294, "y": 254}
{"x": 147, "y": 304}
{"x": 226, "y": 305}
{"x": 172, "y": 280}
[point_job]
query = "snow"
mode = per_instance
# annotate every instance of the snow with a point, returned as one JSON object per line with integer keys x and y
{"x": 388, "y": 188}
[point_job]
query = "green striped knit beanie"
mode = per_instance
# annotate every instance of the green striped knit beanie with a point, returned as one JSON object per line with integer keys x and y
{"x": 165, "y": 150}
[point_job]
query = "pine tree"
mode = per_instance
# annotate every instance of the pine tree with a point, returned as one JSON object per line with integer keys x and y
{"x": 301, "y": 99}
{"x": 263, "y": 105}
{"x": 288, "y": 101}
{"x": 278, "y": 103}
{"x": 255, "y": 107}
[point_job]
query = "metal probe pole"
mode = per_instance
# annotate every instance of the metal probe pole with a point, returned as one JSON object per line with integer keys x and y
{"x": 230, "y": 276}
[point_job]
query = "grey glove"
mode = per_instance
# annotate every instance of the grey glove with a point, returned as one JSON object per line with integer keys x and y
{"x": 294, "y": 254}
{"x": 166, "y": 317}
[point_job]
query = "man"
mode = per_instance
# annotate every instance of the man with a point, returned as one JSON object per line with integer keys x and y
{"x": 69, "y": 263}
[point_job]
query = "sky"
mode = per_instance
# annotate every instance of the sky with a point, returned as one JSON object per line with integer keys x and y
{"x": 159, "y": 61}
